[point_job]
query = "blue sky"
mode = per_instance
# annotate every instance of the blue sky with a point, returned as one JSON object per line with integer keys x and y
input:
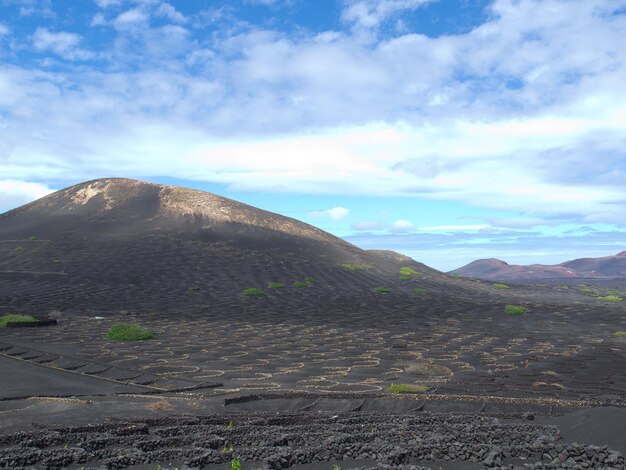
{"x": 448, "y": 130}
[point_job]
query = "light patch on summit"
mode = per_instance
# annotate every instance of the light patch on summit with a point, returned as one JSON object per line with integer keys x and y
{"x": 84, "y": 195}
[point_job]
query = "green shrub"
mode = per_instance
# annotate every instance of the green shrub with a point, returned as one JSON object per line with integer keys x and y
{"x": 586, "y": 290}
{"x": 254, "y": 292}
{"x": 610, "y": 298}
{"x": 235, "y": 464}
{"x": 456, "y": 276}
{"x": 310, "y": 280}
{"x": 57, "y": 261}
{"x": 33, "y": 238}
{"x": 407, "y": 273}
{"x": 12, "y": 318}
{"x": 515, "y": 309}
{"x": 276, "y": 285}
{"x": 420, "y": 290}
{"x": 406, "y": 388}
{"x": 129, "y": 332}
{"x": 620, "y": 334}
{"x": 19, "y": 249}
{"x": 300, "y": 284}
{"x": 381, "y": 290}
{"x": 499, "y": 285}
{"x": 355, "y": 267}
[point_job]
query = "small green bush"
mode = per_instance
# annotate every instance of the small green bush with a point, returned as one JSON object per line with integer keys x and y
{"x": 420, "y": 290}
{"x": 276, "y": 285}
{"x": 254, "y": 292}
{"x": 33, "y": 238}
{"x": 19, "y": 250}
{"x": 57, "y": 261}
{"x": 12, "y": 318}
{"x": 310, "y": 280}
{"x": 620, "y": 334}
{"x": 406, "y": 388}
{"x": 610, "y": 298}
{"x": 515, "y": 309}
{"x": 300, "y": 284}
{"x": 129, "y": 332}
{"x": 381, "y": 290}
{"x": 407, "y": 273}
{"x": 499, "y": 285}
{"x": 235, "y": 464}
{"x": 586, "y": 290}
{"x": 355, "y": 267}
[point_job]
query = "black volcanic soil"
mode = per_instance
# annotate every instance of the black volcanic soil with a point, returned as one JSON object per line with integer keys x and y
{"x": 302, "y": 371}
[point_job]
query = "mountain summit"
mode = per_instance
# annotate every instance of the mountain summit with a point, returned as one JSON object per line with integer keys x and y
{"x": 114, "y": 243}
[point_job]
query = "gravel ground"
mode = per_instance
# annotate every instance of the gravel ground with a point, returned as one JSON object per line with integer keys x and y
{"x": 290, "y": 440}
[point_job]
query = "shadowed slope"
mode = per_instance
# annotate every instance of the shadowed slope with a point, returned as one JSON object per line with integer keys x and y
{"x": 119, "y": 243}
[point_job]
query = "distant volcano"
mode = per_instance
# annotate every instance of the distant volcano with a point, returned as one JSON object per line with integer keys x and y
{"x": 495, "y": 269}
{"x": 111, "y": 243}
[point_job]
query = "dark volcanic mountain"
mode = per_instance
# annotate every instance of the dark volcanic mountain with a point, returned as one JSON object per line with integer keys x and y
{"x": 495, "y": 269}
{"x": 120, "y": 243}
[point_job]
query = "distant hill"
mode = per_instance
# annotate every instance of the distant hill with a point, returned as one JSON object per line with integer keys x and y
{"x": 495, "y": 269}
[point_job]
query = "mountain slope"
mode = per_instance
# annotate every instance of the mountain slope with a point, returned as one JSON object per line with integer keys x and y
{"x": 118, "y": 243}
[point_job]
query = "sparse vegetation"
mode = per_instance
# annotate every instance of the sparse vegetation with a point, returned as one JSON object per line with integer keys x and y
{"x": 499, "y": 285}
{"x": 355, "y": 267}
{"x": 129, "y": 332}
{"x": 33, "y": 238}
{"x": 586, "y": 290}
{"x": 515, "y": 309}
{"x": 423, "y": 369}
{"x": 229, "y": 425}
{"x": 12, "y": 318}
{"x": 407, "y": 273}
{"x": 276, "y": 285}
{"x": 620, "y": 334}
{"x": 610, "y": 298}
{"x": 161, "y": 405}
{"x": 406, "y": 388}
{"x": 301, "y": 284}
{"x": 310, "y": 280}
{"x": 235, "y": 464}
{"x": 254, "y": 292}
{"x": 615, "y": 292}
{"x": 420, "y": 290}
{"x": 19, "y": 250}
{"x": 57, "y": 261}
{"x": 456, "y": 276}
{"x": 381, "y": 290}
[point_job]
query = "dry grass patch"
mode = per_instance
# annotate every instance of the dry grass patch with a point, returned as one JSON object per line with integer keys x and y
{"x": 161, "y": 405}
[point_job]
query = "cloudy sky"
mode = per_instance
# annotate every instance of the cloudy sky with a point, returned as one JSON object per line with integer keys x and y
{"x": 448, "y": 130}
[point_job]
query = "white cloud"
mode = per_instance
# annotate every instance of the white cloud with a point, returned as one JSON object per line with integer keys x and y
{"x": 131, "y": 18}
{"x": 402, "y": 226}
{"x": 367, "y": 225}
{"x": 453, "y": 228}
{"x": 62, "y": 43}
{"x": 370, "y": 13}
{"x": 3, "y": 30}
{"x": 108, "y": 3}
{"x": 168, "y": 11}
{"x": 336, "y": 213}
{"x": 405, "y": 116}
{"x": 16, "y": 192}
